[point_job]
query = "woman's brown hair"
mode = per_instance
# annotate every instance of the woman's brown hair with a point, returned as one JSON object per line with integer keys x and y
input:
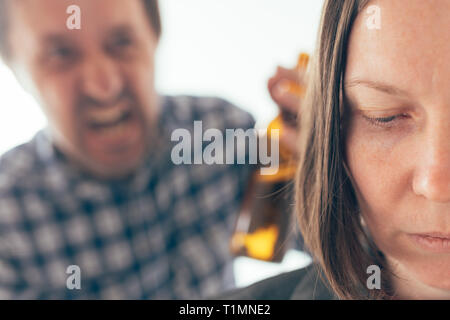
{"x": 326, "y": 203}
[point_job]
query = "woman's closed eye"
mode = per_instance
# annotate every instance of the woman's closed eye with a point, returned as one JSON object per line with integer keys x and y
{"x": 388, "y": 121}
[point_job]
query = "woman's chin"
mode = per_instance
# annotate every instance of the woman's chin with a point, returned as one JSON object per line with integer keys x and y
{"x": 428, "y": 278}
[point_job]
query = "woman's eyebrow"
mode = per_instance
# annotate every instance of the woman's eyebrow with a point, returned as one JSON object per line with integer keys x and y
{"x": 376, "y": 85}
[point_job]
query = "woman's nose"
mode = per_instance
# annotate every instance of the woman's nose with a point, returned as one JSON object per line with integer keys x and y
{"x": 101, "y": 79}
{"x": 432, "y": 176}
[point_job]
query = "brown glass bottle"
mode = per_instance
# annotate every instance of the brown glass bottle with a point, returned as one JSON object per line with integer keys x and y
{"x": 265, "y": 221}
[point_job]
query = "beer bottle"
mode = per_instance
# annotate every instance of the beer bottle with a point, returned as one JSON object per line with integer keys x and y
{"x": 265, "y": 221}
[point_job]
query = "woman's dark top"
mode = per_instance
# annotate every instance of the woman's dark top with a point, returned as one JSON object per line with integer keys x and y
{"x": 302, "y": 284}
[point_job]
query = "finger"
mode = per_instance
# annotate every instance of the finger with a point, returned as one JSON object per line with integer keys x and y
{"x": 294, "y": 75}
{"x": 286, "y": 100}
{"x": 289, "y": 139}
{"x": 275, "y": 79}
{"x": 279, "y": 83}
{"x": 283, "y": 74}
{"x": 271, "y": 83}
{"x": 275, "y": 84}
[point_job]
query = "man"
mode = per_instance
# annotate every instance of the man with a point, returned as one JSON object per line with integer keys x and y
{"x": 93, "y": 206}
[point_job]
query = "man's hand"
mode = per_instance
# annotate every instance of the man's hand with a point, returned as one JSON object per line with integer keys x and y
{"x": 286, "y": 89}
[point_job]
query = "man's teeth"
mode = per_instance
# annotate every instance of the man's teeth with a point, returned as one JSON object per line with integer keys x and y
{"x": 106, "y": 116}
{"x": 114, "y": 131}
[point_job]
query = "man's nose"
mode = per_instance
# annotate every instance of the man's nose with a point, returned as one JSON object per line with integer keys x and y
{"x": 432, "y": 176}
{"x": 101, "y": 79}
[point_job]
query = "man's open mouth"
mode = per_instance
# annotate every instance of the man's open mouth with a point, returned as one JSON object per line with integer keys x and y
{"x": 101, "y": 119}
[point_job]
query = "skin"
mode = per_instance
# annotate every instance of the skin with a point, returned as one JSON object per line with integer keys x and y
{"x": 400, "y": 166}
{"x": 287, "y": 102}
{"x": 106, "y": 64}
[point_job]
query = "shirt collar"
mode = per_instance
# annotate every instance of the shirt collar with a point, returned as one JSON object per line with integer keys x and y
{"x": 44, "y": 146}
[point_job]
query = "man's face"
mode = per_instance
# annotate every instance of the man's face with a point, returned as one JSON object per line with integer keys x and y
{"x": 95, "y": 84}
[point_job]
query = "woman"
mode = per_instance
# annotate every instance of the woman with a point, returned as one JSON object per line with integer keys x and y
{"x": 373, "y": 187}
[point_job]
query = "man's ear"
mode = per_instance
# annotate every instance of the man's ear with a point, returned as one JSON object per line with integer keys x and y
{"x": 21, "y": 75}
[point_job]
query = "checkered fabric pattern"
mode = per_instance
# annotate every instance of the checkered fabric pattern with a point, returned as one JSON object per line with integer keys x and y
{"x": 162, "y": 234}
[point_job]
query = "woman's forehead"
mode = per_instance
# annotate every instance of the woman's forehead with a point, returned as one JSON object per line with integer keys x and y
{"x": 409, "y": 48}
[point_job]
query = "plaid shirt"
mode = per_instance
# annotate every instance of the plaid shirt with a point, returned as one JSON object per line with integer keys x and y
{"x": 162, "y": 234}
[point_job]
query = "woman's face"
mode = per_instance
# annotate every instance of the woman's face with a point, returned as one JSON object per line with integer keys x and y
{"x": 397, "y": 87}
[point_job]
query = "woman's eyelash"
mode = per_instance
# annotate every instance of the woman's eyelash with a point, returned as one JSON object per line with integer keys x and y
{"x": 384, "y": 121}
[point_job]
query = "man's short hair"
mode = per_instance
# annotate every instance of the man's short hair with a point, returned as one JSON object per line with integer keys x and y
{"x": 151, "y": 7}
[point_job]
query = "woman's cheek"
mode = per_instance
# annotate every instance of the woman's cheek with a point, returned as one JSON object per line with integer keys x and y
{"x": 375, "y": 159}
{"x": 369, "y": 156}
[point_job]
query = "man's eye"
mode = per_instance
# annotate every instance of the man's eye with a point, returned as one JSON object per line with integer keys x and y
{"x": 121, "y": 46}
{"x": 62, "y": 53}
{"x": 122, "y": 42}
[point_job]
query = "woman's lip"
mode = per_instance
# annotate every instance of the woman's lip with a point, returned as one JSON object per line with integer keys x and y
{"x": 440, "y": 235}
{"x": 434, "y": 241}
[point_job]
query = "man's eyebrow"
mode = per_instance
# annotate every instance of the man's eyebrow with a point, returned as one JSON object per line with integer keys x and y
{"x": 55, "y": 38}
{"x": 123, "y": 29}
{"x": 376, "y": 85}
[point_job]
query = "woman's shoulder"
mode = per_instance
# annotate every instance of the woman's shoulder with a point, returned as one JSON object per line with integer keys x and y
{"x": 301, "y": 284}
